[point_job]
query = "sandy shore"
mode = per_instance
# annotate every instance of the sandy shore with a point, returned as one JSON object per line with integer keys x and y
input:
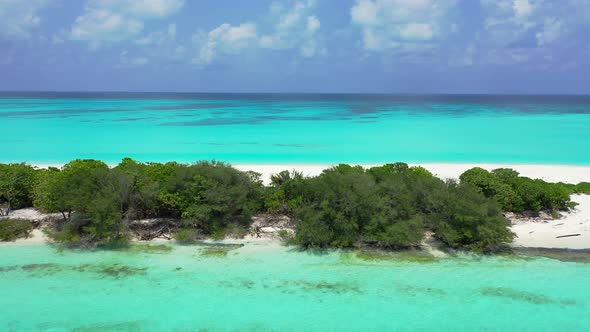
{"x": 550, "y": 173}
{"x": 544, "y": 233}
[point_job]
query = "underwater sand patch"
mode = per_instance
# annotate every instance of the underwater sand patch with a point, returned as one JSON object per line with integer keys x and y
{"x": 523, "y": 296}
{"x": 564, "y": 255}
{"x": 325, "y": 286}
{"x": 418, "y": 290}
{"x": 116, "y": 271}
{"x": 218, "y": 250}
{"x": 372, "y": 255}
{"x": 119, "y": 271}
{"x": 104, "y": 327}
{"x": 39, "y": 269}
{"x": 9, "y": 268}
{"x": 242, "y": 284}
{"x": 140, "y": 248}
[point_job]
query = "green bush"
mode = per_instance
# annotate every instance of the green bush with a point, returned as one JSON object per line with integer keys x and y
{"x": 16, "y": 186}
{"x": 88, "y": 196}
{"x": 187, "y": 235}
{"x": 516, "y": 193}
{"x": 284, "y": 235}
{"x": 68, "y": 235}
{"x": 582, "y": 188}
{"x": 468, "y": 220}
{"x": 392, "y": 206}
{"x": 337, "y": 205}
{"x": 398, "y": 234}
{"x": 285, "y": 193}
{"x": 495, "y": 185}
{"x": 236, "y": 231}
{"x": 93, "y": 199}
{"x": 389, "y": 206}
{"x": 12, "y": 229}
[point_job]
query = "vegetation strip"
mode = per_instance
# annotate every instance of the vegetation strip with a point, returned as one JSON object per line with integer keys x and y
{"x": 390, "y": 206}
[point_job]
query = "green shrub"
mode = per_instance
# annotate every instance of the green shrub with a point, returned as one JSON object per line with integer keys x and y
{"x": 337, "y": 205}
{"x": 397, "y": 234}
{"x": 67, "y": 235}
{"x": 495, "y": 185}
{"x": 582, "y": 188}
{"x": 388, "y": 206}
{"x": 516, "y": 193}
{"x": 12, "y": 229}
{"x": 16, "y": 186}
{"x": 468, "y": 220}
{"x": 286, "y": 192}
{"x": 187, "y": 235}
{"x": 285, "y": 236}
{"x": 89, "y": 188}
{"x": 236, "y": 231}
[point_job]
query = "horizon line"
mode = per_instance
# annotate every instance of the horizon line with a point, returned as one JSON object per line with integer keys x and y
{"x": 304, "y": 93}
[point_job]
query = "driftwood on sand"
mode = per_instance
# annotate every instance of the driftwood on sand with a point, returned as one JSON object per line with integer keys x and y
{"x": 149, "y": 229}
{"x": 569, "y": 235}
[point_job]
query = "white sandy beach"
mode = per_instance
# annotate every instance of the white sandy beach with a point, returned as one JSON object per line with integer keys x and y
{"x": 550, "y": 173}
{"x": 544, "y": 233}
{"x": 539, "y": 233}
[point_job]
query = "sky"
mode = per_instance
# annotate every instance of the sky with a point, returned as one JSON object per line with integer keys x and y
{"x": 341, "y": 46}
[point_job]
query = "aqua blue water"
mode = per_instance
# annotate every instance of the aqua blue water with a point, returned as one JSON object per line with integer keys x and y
{"x": 259, "y": 128}
{"x": 260, "y": 288}
{"x": 273, "y": 288}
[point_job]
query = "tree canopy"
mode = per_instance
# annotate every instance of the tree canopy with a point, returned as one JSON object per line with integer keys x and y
{"x": 16, "y": 186}
{"x": 516, "y": 193}
{"x": 389, "y": 206}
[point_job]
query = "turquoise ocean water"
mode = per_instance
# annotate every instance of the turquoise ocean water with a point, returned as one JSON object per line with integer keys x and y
{"x": 262, "y": 288}
{"x": 258, "y": 288}
{"x": 274, "y": 128}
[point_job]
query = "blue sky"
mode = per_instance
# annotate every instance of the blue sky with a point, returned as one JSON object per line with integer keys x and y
{"x": 383, "y": 46}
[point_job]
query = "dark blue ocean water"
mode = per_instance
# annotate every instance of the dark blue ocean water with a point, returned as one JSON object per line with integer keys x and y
{"x": 294, "y": 128}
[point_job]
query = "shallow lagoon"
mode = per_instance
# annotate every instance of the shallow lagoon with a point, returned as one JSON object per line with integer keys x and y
{"x": 268, "y": 287}
{"x": 54, "y": 128}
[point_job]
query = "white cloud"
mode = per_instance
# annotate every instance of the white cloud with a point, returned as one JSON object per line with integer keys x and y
{"x": 18, "y": 17}
{"x": 416, "y": 31}
{"x": 225, "y": 39}
{"x": 508, "y": 56}
{"x": 510, "y": 22}
{"x": 295, "y": 27}
{"x": 141, "y": 61}
{"x": 463, "y": 58}
{"x": 522, "y": 8}
{"x": 313, "y": 24}
{"x": 131, "y": 62}
{"x": 172, "y": 31}
{"x": 158, "y": 37}
{"x": 365, "y": 13}
{"x": 179, "y": 51}
{"x": 117, "y": 20}
{"x": 389, "y": 24}
{"x": 550, "y": 32}
{"x": 104, "y": 25}
{"x": 147, "y": 8}
{"x": 310, "y": 49}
